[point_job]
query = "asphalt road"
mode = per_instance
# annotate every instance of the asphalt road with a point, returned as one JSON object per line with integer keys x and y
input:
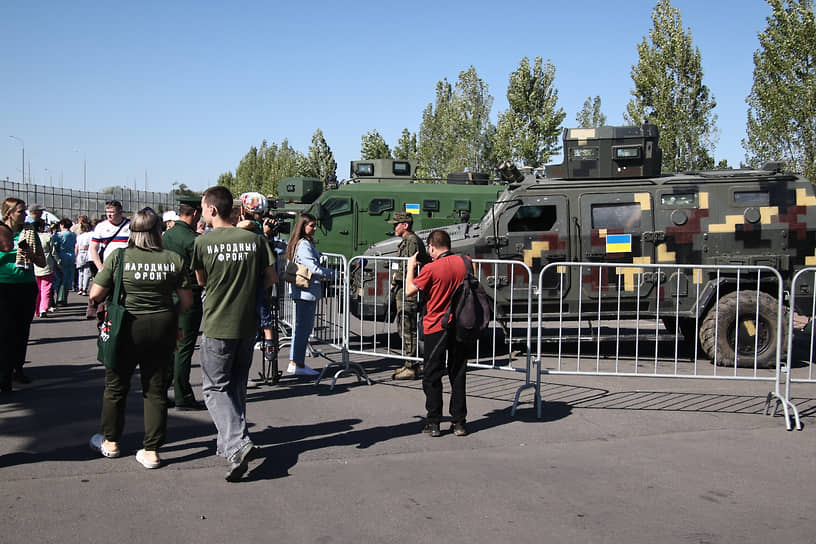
{"x": 612, "y": 460}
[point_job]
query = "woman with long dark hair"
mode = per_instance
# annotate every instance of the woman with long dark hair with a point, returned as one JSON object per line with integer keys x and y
{"x": 18, "y": 289}
{"x": 150, "y": 279}
{"x": 301, "y": 250}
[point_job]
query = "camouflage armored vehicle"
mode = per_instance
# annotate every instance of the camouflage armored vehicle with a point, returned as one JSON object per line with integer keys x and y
{"x": 608, "y": 203}
{"x": 352, "y": 215}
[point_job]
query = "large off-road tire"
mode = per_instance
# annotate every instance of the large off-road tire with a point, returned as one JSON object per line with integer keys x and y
{"x": 756, "y": 337}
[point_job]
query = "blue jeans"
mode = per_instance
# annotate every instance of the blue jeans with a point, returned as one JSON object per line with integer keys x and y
{"x": 304, "y": 323}
{"x": 224, "y": 373}
{"x": 64, "y": 278}
{"x": 262, "y": 308}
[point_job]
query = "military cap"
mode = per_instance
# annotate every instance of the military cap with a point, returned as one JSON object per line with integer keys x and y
{"x": 401, "y": 217}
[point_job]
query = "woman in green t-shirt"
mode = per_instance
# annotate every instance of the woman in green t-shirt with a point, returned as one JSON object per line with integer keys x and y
{"x": 18, "y": 290}
{"x": 150, "y": 279}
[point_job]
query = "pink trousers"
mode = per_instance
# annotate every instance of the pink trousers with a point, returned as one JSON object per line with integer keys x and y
{"x": 44, "y": 284}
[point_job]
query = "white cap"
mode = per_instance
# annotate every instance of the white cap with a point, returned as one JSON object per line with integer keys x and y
{"x": 170, "y": 216}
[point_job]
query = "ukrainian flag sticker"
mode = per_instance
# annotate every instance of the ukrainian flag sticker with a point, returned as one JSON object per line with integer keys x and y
{"x": 618, "y": 243}
{"x": 412, "y": 208}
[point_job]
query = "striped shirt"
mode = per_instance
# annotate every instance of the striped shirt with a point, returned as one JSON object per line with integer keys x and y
{"x": 104, "y": 235}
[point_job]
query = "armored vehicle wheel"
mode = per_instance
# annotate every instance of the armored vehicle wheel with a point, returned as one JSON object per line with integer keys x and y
{"x": 756, "y": 337}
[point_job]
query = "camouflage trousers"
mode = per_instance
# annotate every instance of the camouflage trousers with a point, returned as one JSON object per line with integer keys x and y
{"x": 407, "y": 321}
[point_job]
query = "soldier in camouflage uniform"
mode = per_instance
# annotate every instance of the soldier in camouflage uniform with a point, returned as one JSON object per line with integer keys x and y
{"x": 407, "y": 306}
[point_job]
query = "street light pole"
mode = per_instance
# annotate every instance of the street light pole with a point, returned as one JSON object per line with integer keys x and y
{"x": 22, "y": 143}
{"x": 84, "y": 170}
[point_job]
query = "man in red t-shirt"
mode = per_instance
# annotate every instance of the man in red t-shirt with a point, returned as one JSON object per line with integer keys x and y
{"x": 438, "y": 280}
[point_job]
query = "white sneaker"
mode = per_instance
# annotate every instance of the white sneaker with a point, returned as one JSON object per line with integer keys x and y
{"x": 305, "y": 370}
{"x": 258, "y": 346}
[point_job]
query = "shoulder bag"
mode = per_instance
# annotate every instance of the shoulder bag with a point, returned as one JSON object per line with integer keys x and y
{"x": 297, "y": 274}
{"x": 111, "y": 328}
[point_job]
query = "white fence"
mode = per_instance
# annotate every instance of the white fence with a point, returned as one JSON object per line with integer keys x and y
{"x": 579, "y": 318}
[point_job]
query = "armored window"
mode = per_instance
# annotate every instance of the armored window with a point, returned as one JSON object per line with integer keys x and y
{"x": 533, "y": 219}
{"x": 616, "y": 216}
{"x": 626, "y": 152}
{"x": 380, "y": 205}
{"x": 336, "y": 206}
{"x": 400, "y": 168}
{"x": 459, "y": 205}
{"x": 751, "y": 198}
{"x": 684, "y": 200}
{"x": 430, "y": 205}
{"x": 364, "y": 169}
{"x": 585, "y": 153}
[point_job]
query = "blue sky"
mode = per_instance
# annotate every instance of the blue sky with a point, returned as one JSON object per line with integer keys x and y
{"x": 181, "y": 90}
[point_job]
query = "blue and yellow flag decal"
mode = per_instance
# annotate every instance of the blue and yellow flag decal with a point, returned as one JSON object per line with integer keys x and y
{"x": 618, "y": 243}
{"x": 412, "y": 208}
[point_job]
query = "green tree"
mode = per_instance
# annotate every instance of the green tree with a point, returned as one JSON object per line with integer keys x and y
{"x": 669, "y": 92}
{"x": 181, "y": 189}
{"x": 456, "y": 128}
{"x": 279, "y": 161}
{"x": 320, "y": 161}
{"x": 782, "y": 102}
{"x": 406, "y": 148}
{"x": 374, "y": 147}
{"x": 527, "y": 133}
{"x": 590, "y": 115}
{"x": 227, "y": 180}
{"x": 473, "y": 104}
{"x": 437, "y": 134}
{"x": 249, "y": 173}
{"x": 262, "y": 168}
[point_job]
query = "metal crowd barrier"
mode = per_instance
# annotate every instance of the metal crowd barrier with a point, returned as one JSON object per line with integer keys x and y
{"x": 801, "y": 338}
{"x": 628, "y": 320}
{"x": 331, "y": 320}
{"x": 634, "y": 323}
{"x": 375, "y": 329}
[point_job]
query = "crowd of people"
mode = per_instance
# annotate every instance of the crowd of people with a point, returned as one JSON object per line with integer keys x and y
{"x": 213, "y": 262}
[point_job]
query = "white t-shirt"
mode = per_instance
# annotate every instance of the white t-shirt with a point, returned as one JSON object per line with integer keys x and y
{"x": 105, "y": 230}
{"x": 83, "y": 242}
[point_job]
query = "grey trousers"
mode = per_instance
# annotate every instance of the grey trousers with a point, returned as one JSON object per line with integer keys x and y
{"x": 225, "y": 370}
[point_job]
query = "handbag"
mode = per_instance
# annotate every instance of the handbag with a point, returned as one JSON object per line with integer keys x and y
{"x": 111, "y": 328}
{"x": 297, "y": 274}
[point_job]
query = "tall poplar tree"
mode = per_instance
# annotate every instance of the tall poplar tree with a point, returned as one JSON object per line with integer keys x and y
{"x": 320, "y": 161}
{"x": 437, "y": 134}
{"x": 669, "y": 92}
{"x": 455, "y": 132}
{"x": 249, "y": 173}
{"x": 406, "y": 148}
{"x": 474, "y": 127}
{"x": 527, "y": 133}
{"x": 373, "y": 146}
{"x": 591, "y": 115}
{"x": 782, "y": 102}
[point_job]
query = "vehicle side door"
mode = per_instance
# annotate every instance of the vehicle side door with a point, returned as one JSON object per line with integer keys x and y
{"x": 537, "y": 232}
{"x": 617, "y": 228}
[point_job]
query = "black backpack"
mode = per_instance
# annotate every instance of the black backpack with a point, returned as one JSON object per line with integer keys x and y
{"x": 469, "y": 312}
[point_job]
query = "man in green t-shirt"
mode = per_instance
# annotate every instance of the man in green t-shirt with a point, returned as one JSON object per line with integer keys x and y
{"x": 229, "y": 262}
{"x": 180, "y": 239}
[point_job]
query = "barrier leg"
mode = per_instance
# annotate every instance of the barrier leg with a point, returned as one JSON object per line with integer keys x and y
{"x": 527, "y": 385}
{"x": 347, "y": 368}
